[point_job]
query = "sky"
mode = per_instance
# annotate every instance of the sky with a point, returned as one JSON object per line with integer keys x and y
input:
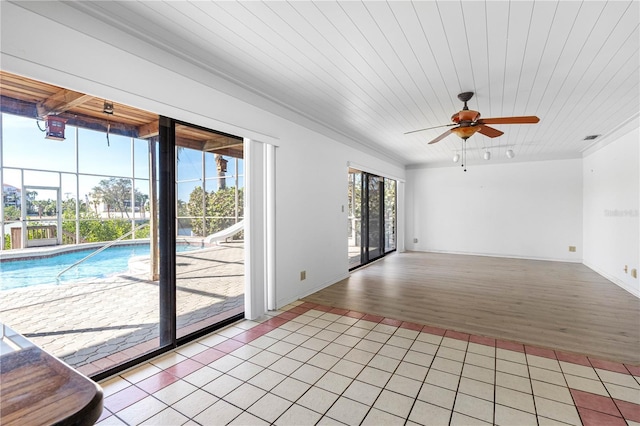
{"x": 25, "y": 147}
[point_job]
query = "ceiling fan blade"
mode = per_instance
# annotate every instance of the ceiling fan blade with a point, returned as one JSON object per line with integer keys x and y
{"x": 527, "y": 119}
{"x": 442, "y": 136}
{"x": 429, "y": 128}
{"x": 489, "y": 131}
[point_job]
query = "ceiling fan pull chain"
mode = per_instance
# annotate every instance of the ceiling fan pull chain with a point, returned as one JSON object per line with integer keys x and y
{"x": 464, "y": 141}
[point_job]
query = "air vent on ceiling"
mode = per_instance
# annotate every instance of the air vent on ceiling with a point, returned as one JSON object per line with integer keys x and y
{"x": 590, "y": 137}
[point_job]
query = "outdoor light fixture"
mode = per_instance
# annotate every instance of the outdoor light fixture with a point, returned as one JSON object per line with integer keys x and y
{"x": 487, "y": 155}
{"x": 108, "y": 108}
{"x": 54, "y": 128}
{"x": 456, "y": 157}
{"x": 510, "y": 153}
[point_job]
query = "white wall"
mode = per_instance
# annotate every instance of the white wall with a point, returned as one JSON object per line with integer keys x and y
{"x": 311, "y": 225}
{"x": 527, "y": 209}
{"x": 611, "y": 222}
{"x": 311, "y": 168}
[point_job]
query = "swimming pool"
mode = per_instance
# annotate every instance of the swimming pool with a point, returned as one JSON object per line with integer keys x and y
{"x": 38, "y": 271}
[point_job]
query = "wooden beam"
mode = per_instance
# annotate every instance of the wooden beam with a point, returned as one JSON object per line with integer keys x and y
{"x": 29, "y": 110}
{"x": 216, "y": 145}
{"x": 61, "y": 101}
{"x": 100, "y": 125}
{"x": 231, "y": 152}
{"x": 148, "y": 130}
{"x": 17, "y": 107}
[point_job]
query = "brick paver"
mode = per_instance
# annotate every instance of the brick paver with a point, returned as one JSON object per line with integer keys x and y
{"x": 83, "y": 322}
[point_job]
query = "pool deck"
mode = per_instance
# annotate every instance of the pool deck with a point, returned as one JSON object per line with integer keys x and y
{"x": 93, "y": 325}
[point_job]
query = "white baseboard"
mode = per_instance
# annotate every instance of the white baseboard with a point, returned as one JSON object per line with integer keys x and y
{"x": 502, "y": 255}
{"x": 338, "y": 278}
{"x": 616, "y": 281}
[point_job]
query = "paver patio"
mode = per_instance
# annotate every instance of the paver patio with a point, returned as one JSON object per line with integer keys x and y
{"x": 85, "y": 322}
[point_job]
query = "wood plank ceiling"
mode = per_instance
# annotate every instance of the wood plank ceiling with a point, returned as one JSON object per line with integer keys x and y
{"x": 374, "y": 70}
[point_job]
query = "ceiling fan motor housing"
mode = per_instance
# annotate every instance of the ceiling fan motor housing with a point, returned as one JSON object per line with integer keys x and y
{"x": 465, "y": 117}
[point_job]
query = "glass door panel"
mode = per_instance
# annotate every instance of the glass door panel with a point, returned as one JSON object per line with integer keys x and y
{"x": 97, "y": 306}
{"x": 209, "y": 257}
{"x": 355, "y": 218}
{"x": 375, "y": 218}
{"x": 372, "y": 217}
{"x": 389, "y": 215}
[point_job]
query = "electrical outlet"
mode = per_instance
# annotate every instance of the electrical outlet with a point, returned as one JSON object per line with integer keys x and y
{"x": 572, "y": 248}
{"x": 303, "y": 275}
{"x": 634, "y": 273}
{"x": 415, "y": 240}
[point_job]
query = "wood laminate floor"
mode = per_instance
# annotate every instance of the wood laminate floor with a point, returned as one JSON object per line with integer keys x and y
{"x": 557, "y": 305}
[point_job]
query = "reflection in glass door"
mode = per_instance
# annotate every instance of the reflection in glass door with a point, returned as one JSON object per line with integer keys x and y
{"x": 389, "y": 215}
{"x": 355, "y": 218}
{"x": 209, "y": 241}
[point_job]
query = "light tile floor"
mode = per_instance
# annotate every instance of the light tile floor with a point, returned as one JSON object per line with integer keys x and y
{"x": 310, "y": 364}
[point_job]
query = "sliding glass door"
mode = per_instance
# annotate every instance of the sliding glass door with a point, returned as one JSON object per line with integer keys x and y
{"x": 209, "y": 246}
{"x": 372, "y": 217}
{"x": 147, "y": 225}
{"x": 373, "y": 222}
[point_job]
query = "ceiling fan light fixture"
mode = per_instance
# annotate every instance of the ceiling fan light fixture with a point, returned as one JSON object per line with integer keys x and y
{"x": 487, "y": 155}
{"x": 510, "y": 154}
{"x": 465, "y": 131}
{"x": 456, "y": 158}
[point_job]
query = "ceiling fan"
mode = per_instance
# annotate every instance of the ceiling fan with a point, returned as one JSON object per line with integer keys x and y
{"x": 468, "y": 122}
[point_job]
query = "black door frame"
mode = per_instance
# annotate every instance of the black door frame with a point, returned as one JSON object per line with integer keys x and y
{"x": 366, "y": 218}
{"x": 167, "y": 325}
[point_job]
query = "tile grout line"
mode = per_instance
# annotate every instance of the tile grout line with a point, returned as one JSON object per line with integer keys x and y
{"x": 389, "y": 379}
{"x": 306, "y": 363}
{"x": 608, "y": 393}
{"x": 455, "y": 398}
{"x": 495, "y": 382}
{"x": 352, "y": 380}
{"x": 533, "y": 395}
{"x": 423, "y": 381}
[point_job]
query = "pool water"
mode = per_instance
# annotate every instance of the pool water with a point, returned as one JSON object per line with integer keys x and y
{"x": 32, "y": 272}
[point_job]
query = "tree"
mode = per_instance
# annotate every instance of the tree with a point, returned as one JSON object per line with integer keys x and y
{"x": 69, "y": 210}
{"x": 220, "y": 209}
{"x": 142, "y": 201}
{"x": 11, "y": 213}
{"x": 95, "y": 199}
{"x": 39, "y": 206}
{"x": 115, "y": 193}
{"x": 30, "y": 197}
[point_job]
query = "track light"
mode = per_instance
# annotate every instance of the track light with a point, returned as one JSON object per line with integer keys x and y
{"x": 456, "y": 158}
{"x": 487, "y": 155}
{"x": 510, "y": 153}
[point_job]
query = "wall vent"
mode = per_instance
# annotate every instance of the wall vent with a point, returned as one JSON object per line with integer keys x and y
{"x": 590, "y": 137}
